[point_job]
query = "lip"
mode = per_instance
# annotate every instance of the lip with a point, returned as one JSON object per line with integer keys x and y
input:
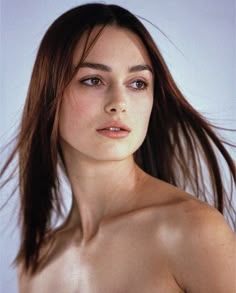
{"x": 106, "y": 129}
{"x": 115, "y": 124}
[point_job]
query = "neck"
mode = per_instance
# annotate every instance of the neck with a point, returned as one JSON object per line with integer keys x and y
{"x": 101, "y": 190}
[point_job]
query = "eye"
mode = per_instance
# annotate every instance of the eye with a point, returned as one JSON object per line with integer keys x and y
{"x": 139, "y": 84}
{"x": 91, "y": 81}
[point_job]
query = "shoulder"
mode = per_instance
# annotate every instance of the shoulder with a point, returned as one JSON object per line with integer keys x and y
{"x": 201, "y": 248}
{"x": 202, "y": 225}
{"x": 24, "y": 280}
{"x": 185, "y": 212}
{"x": 196, "y": 240}
{"x": 29, "y": 281}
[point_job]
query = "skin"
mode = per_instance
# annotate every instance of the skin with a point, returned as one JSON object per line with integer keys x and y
{"x": 126, "y": 231}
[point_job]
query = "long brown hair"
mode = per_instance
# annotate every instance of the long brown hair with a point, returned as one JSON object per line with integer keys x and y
{"x": 181, "y": 146}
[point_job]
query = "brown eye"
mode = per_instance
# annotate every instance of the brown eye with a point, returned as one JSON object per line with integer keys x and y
{"x": 92, "y": 81}
{"x": 139, "y": 84}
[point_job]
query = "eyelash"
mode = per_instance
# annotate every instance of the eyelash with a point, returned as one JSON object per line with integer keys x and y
{"x": 99, "y": 83}
{"x": 144, "y": 85}
{"x": 83, "y": 81}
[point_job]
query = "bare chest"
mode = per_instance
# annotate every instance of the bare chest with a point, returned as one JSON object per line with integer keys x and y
{"x": 123, "y": 259}
{"x": 117, "y": 268}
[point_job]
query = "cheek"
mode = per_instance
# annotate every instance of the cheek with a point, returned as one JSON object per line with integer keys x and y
{"x": 73, "y": 107}
{"x": 145, "y": 111}
{"x": 147, "y": 115}
{"x": 77, "y": 114}
{"x": 70, "y": 116}
{"x": 142, "y": 117}
{"x": 76, "y": 105}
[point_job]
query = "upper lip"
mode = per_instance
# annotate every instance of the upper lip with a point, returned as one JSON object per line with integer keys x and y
{"x": 115, "y": 124}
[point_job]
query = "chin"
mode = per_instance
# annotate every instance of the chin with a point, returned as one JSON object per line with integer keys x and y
{"x": 116, "y": 153}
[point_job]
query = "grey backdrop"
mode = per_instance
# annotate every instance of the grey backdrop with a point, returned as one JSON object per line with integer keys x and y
{"x": 205, "y": 70}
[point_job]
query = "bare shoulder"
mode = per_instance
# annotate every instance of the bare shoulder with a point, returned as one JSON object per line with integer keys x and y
{"x": 183, "y": 210}
{"x": 200, "y": 245}
{"x": 203, "y": 226}
{"x": 29, "y": 282}
{"x": 24, "y": 280}
{"x": 206, "y": 261}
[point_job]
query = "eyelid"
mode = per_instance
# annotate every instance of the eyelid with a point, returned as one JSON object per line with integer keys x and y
{"x": 129, "y": 83}
{"x": 82, "y": 80}
{"x": 142, "y": 78}
{"x": 90, "y": 76}
{"x": 137, "y": 79}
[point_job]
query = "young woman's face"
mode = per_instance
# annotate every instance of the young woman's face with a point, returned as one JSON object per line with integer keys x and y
{"x": 106, "y": 107}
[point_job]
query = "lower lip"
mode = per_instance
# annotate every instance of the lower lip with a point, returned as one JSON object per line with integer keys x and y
{"x": 113, "y": 134}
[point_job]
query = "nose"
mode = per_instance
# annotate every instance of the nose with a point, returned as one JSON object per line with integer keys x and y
{"x": 116, "y": 104}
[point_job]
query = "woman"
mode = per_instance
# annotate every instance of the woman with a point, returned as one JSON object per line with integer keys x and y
{"x": 103, "y": 105}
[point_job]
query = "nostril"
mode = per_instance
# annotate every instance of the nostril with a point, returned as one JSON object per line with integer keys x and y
{"x": 115, "y": 106}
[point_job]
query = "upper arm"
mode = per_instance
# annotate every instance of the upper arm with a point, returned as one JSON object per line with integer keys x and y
{"x": 205, "y": 258}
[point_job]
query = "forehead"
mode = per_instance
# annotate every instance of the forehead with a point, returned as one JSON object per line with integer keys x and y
{"x": 110, "y": 44}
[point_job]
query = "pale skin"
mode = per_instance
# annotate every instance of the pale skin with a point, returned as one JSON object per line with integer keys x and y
{"x": 126, "y": 232}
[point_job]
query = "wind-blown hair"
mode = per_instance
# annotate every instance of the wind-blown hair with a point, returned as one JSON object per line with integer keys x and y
{"x": 180, "y": 147}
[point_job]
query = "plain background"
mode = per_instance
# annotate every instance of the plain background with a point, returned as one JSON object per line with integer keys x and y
{"x": 204, "y": 67}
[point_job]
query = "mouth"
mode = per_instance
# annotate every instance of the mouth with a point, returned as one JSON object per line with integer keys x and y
{"x": 115, "y": 126}
{"x": 114, "y": 129}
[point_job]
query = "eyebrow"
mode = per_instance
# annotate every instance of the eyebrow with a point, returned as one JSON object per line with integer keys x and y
{"x": 106, "y": 68}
